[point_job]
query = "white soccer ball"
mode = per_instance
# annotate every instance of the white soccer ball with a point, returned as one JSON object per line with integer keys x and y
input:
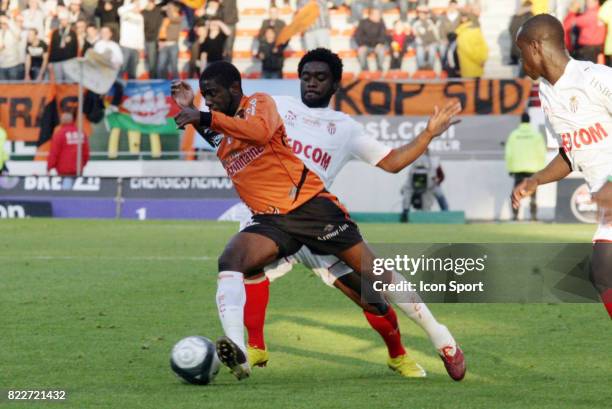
{"x": 194, "y": 360}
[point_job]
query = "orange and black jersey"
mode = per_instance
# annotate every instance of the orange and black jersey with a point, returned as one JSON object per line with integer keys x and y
{"x": 268, "y": 177}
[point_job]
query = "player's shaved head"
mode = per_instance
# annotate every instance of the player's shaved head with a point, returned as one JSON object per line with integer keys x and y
{"x": 543, "y": 28}
{"x": 541, "y": 42}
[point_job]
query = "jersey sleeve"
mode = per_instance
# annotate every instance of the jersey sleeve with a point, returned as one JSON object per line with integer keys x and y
{"x": 260, "y": 121}
{"x": 366, "y": 148}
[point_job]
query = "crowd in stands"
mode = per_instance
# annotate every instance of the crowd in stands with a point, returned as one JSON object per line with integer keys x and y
{"x": 38, "y": 36}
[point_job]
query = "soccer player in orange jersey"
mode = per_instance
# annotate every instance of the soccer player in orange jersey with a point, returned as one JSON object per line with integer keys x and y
{"x": 290, "y": 204}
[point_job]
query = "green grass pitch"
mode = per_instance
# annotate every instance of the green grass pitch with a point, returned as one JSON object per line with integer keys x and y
{"x": 94, "y": 307}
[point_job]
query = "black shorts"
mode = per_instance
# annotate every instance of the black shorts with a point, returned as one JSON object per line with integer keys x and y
{"x": 321, "y": 224}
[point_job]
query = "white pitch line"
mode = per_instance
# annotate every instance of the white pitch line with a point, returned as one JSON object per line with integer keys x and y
{"x": 135, "y": 258}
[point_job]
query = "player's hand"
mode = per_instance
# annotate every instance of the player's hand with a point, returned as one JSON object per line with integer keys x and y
{"x": 187, "y": 116}
{"x": 524, "y": 189}
{"x": 603, "y": 198}
{"x": 444, "y": 118}
{"x": 182, "y": 94}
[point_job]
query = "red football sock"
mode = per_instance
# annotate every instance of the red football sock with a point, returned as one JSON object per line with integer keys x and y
{"x": 606, "y": 297}
{"x": 257, "y": 296}
{"x": 386, "y": 326}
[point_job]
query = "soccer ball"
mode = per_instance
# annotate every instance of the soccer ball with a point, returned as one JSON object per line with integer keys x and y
{"x": 194, "y": 360}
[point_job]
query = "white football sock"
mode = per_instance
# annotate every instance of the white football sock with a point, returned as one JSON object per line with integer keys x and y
{"x": 231, "y": 297}
{"x": 413, "y": 306}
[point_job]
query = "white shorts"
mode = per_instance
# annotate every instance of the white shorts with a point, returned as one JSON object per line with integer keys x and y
{"x": 603, "y": 233}
{"x": 327, "y": 268}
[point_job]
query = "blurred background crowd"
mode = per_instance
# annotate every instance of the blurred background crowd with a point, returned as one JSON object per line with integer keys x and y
{"x": 169, "y": 39}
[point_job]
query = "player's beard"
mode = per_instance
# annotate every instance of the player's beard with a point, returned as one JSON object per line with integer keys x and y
{"x": 321, "y": 102}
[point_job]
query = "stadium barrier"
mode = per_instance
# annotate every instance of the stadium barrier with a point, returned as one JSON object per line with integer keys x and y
{"x": 120, "y": 198}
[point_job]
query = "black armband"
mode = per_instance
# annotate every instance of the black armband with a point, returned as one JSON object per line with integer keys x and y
{"x": 205, "y": 119}
{"x": 565, "y": 158}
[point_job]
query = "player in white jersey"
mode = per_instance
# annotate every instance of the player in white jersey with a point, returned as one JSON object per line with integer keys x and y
{"x": 577, "y": 102}
{"x": 326, "y": 140}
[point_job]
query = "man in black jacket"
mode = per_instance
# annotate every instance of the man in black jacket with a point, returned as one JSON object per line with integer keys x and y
{"x": 63, "y": 46}
{"x": 371, "y": 37}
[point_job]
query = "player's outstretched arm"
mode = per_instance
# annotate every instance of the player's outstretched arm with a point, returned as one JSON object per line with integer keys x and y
{"x": 403, "y": 156}
{"x": 556, "y": 170}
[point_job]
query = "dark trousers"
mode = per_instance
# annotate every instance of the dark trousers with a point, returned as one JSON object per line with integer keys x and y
{"x": 533, "y": 206}
{"x": 151, "y": 58}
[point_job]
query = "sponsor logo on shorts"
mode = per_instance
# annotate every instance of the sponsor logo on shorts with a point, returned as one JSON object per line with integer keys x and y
{"x": 332, "y": 234}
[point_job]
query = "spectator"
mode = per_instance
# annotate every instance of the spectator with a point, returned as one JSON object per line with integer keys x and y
{"x": 132, "y": 36}
{"x": 427, "y": 39}
{"x": 91, "y": 38}
{"x": 522, "y": 15}
{"x": 76, "y": 13}
{"x": 318, "y": 35}
{"x": 592, "y": 31}
{"x": 23, "y": 43}
{"x": 401, "y": 39}
{"x": 4, "y": 156}
{"x": 9, "y": 50}
{"x": 80, "y": 28}
{"x": 153, "y": 19}
{"x": 472, "y": 48}
{"x": 450, "y": 59}
{"x": 194, "y": 60}
{"x": 37, "y": 57}
{"x": 108, "y": 14}
{"x": 605, "y": 15}
{"x": 271, "y": 56}
{"x": 63, "y": 156}
{"x": 271, "y": 22}
{"x": 213, "y": 46}
{"x": 51, "y": 10}
{"x": 371, "y": 37}
{"x": 525, "y": 155}
{"x": 34, "y": 17}
{"x": 449, "y": 21}
{"x": 229, "y": 15}
{"x": 168, "y": 44}
{"x": 63, "y": 46}
{"x": 107, "y": 46}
